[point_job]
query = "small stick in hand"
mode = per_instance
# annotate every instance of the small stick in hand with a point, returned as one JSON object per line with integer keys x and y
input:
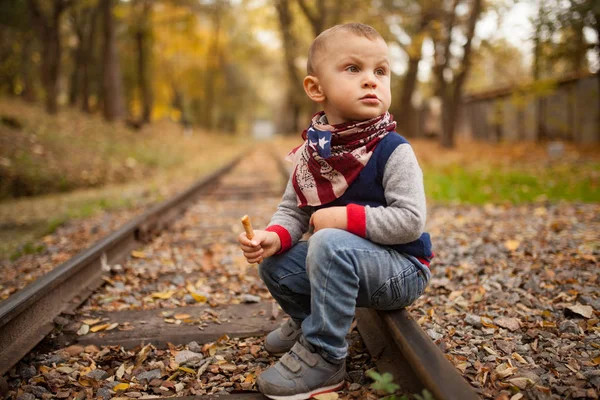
{"x": 248, "y": 227}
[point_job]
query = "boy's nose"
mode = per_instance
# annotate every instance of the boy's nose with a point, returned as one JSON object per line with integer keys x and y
{"x": 369, "y": 81}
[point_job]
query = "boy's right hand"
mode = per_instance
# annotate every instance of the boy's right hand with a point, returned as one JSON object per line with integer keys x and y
{"x": 263, "y": 245}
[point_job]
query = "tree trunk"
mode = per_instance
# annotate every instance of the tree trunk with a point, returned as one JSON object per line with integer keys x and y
{"x": 453, "y": 92}
{"x": 28, "y": 78}
{"x": 114, "y": 108}
{"x": 48, "y": 30}
{"x": 142, "y": 37}
{"x": 406, "y": 122}
{"x": 87, "y": 58}
{"x": 294, "y": 90}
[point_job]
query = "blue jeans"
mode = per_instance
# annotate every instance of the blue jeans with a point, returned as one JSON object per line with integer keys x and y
{"x": 322, "y": 281}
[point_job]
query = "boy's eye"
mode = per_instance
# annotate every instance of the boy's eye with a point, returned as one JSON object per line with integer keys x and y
{"x": 352, "y": 68}
{"x": 380, "y": 71}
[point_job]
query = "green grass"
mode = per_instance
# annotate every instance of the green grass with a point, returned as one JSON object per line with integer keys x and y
{"x": 516, "y": 185}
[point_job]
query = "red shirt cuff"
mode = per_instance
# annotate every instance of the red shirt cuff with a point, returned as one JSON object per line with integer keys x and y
{"x": 357, "y": 219}
{"x": 284, "y": 237}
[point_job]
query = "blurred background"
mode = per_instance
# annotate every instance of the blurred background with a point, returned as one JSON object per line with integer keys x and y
{"x": 114, "y": 104}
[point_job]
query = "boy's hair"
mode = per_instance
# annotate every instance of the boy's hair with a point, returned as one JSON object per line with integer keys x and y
{"x": 319, "y": 43}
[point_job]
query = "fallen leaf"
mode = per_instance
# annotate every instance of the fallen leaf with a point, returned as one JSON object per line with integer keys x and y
{"x": 580, "y": 309}
{"x": 512, "y": 245}
{"x": 327, "y": 396}
{"x": 188, "y": 370}
{"x": 83, "y": 329}
{"x": 99, "y": 328}
{"x": 511, "y": 324}
{"x": 198, "y": 297}
{"x": 518, "y": 357}
{"x": 120, "y": 371}
{"x": 112, "y": 326}
{"x": 91, "y": 321}
{"x": 120, "y": 386}
{"x": 182, "y": 316}
{"x": 65, "y": 370}
{"x": 163, "y": 295}
{"x": 138, "y": 254}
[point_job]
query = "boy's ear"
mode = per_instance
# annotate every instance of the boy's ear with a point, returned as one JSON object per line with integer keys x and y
{"x": 313, "y": 89}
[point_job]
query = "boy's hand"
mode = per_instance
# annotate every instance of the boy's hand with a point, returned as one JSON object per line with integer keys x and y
{"x": 263, "y": 245}
{"x": 332, "y": 217}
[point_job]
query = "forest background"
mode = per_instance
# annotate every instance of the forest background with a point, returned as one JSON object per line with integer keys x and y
{"x": 114, "y": 103}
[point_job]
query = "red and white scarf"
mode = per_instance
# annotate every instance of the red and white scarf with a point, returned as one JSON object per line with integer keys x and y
{"x": 322, "y": 170}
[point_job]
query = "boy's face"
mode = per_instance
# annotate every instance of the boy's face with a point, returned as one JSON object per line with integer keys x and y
{"x": 353, "y": 76}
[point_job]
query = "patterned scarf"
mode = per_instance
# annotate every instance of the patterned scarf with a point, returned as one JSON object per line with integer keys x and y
{"x": 333, "y": 156}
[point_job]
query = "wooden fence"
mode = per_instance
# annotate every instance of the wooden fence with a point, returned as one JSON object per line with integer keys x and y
{"x": 566, "y": 109}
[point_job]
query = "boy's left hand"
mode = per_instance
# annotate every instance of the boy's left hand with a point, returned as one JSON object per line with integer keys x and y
{"x": 332, "y": 217}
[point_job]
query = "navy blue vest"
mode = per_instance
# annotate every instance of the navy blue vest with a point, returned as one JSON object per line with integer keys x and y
{"x": 367, "y": 190}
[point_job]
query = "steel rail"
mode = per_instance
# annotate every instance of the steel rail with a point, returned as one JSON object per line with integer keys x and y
{"x": 27, "y": 316}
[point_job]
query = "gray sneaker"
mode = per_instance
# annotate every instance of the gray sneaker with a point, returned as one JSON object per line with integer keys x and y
{"x": 300, "y": 374}
{"x": 281, "y": 340}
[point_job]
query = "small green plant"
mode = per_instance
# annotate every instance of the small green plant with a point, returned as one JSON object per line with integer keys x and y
{"x": 385, "y": 383}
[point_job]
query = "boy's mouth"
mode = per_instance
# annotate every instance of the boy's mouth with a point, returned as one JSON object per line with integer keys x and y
{"x": 370, "y": 99}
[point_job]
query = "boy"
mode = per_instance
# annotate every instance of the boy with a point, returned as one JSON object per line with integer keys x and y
{"x": 357, "y": 183}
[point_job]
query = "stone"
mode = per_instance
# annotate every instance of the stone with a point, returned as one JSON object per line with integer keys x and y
{"x": 249, "y": 298}
{"x": 354, "y": 386}
{"x": 57, "y": 358}
{"x": 27, "y": 371}
{"x": 188, "y": 357}
{"x": 149, "y": 375}
{"x": 61, "y": 321}
{"x": 103, "y": 394}
{"x": 26, "y": 396}
{"x": 590, "y": 301}
{"x": 195, "y": 347}
{"x": 434, "y": 335}
{"x": 38, "y": 391}
{"x": 473, "y": 320}
{"x": 568, "y": 326}
{"x": 98, "y": 374}
{"x": 357, "y": 376}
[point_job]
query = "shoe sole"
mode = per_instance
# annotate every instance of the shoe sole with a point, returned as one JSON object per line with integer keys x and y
{"x": 304, "y": 396}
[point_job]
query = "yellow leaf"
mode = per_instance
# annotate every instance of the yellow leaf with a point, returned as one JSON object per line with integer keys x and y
{"x": 326, "y": 396}
{"x": 138, "y": 254}
{"x": 162, "y": 295}
{"x": 251, "y": 378}
{"x": 188, "y": 370}
{"x": 512, "y": 245}
{"x": 98, "y": 328}
{"x": 170, "y": 320}
{"x": 198, "y": 297}
{"x": 112, "y": 326}
{"x": 596, "y": 360}
{"x": 222, "y": 339}
{"x": 120, "y": 386}
{"x": 91, "y": 321}
{"x": 44, "y": 369}
{"x": 182, "y": 316}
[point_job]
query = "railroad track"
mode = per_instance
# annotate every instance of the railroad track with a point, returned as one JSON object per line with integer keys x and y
{"x": 168, "y": 286}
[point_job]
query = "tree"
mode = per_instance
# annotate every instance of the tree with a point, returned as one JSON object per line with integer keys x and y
{"x": 83, "y": 18}
{"x": 412, "y": 18}
{"x": 450, "y": 80}
{"x": 46, "y": 18}
{"x": 294, "y": 88}
{"x": 143, "y": 36}
{"x": 114, "y": 108}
